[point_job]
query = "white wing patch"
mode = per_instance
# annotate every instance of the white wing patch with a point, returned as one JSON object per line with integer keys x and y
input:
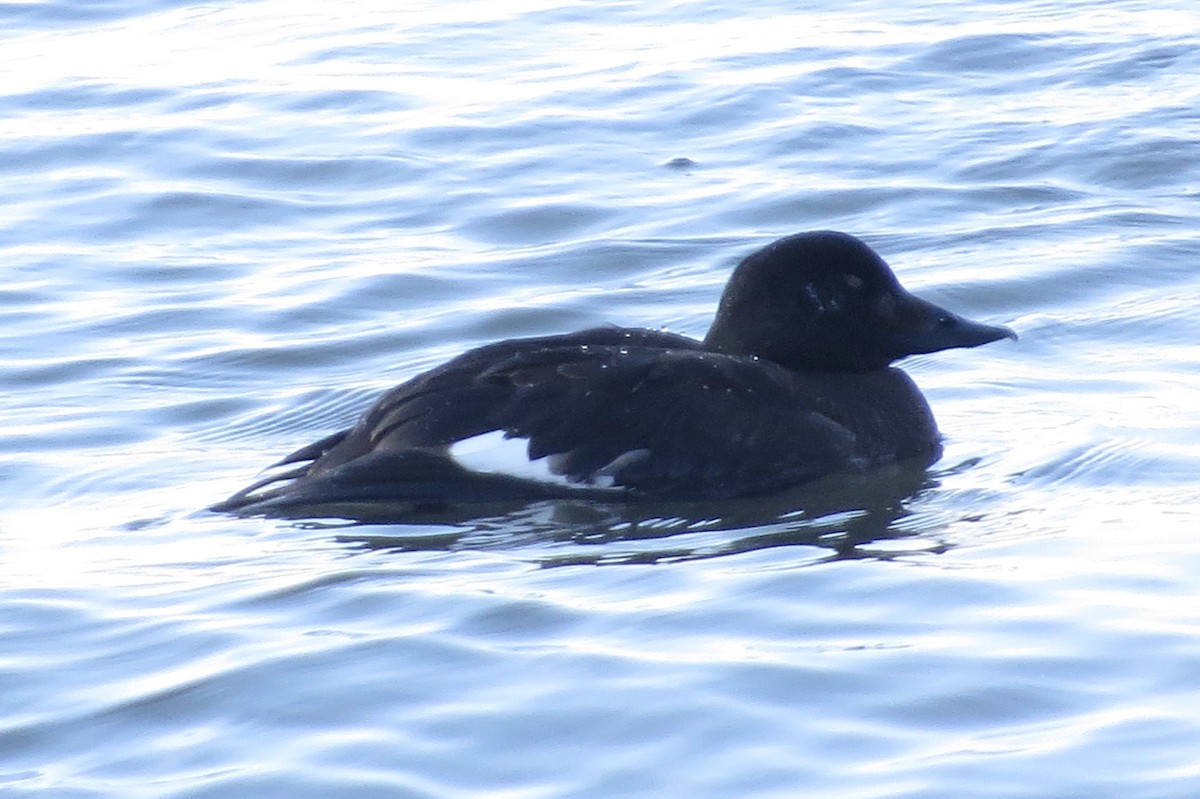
{"x": 492, "y": 453}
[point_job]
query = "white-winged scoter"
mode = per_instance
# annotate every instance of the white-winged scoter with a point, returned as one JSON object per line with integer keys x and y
{"x": 792, "y": 382}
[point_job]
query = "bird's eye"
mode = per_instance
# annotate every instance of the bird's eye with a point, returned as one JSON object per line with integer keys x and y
{"x": 853, "y": 282}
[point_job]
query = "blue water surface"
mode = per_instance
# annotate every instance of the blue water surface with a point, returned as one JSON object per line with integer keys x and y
{"x": 225, "y": 228}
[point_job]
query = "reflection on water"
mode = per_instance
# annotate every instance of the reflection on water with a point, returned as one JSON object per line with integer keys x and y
{"x": 842, "y": 514}
{"x": 226, "y": 227}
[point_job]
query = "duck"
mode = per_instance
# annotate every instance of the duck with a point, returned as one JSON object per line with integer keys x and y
{"x": 794, "y": 381}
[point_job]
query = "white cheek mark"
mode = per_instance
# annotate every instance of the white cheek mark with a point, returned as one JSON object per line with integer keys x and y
{"x": 821, "y": 301}
{"x": 492, "y": 453}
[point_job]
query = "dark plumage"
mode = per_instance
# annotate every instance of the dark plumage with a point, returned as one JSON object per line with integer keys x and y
{"x": 791, "y": 383}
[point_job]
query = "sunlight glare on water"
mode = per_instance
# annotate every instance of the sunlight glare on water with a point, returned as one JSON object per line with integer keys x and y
{"x": 227, "y": 228}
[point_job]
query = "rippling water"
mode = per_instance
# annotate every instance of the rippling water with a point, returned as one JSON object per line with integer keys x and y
{"x": 225, "y": 228}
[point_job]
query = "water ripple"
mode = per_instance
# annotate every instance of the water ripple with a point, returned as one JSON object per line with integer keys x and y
{"x": 227, "y": 228}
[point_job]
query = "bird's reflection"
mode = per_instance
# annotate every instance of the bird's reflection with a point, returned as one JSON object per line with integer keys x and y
{"x": 842, "y": 515}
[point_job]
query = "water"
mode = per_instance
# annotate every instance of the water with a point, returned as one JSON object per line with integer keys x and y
{"x": 225, "y": 228}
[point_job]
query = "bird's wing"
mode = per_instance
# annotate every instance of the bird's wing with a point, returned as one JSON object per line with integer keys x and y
{"x": 651, "y": 412}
